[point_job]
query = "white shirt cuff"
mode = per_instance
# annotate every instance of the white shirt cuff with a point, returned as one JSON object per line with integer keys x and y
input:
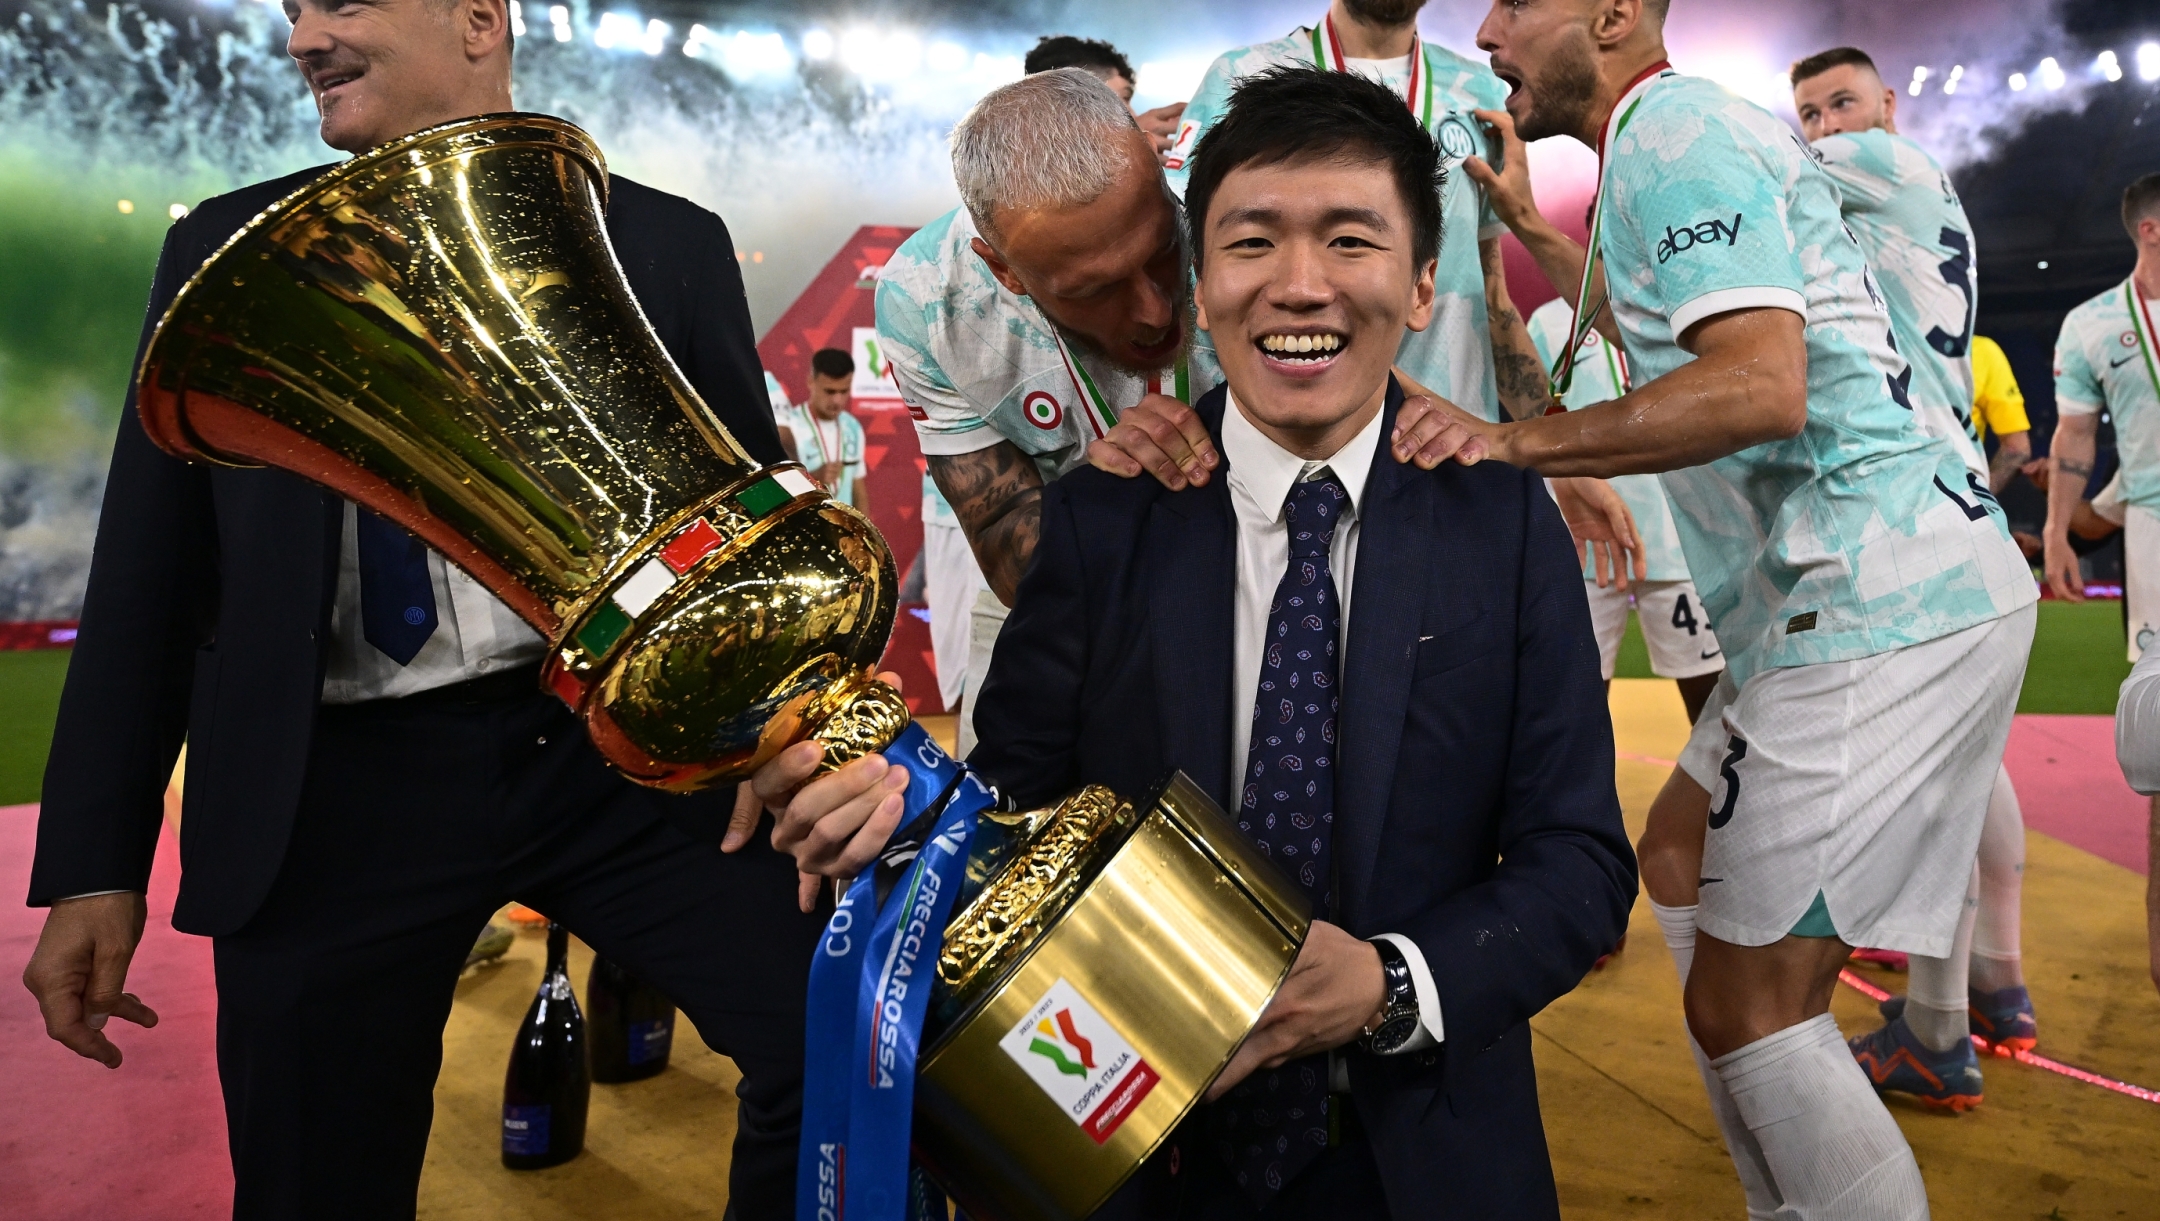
{"x": 1431, "y": 1031}
{"x": 952, "y": 444}
{"x": 1726, "y": 300}
{"x": 2067, "y": 406}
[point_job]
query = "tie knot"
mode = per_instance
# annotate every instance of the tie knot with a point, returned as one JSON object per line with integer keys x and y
{"x": 1311, "y": 511}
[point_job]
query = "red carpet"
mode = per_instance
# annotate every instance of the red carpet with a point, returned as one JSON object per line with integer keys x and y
{"x": 146, "y": 1140}
{"x": 2070, "y": 786}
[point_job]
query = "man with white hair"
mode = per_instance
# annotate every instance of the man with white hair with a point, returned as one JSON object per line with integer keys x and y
{"x": 1021, "y": 324}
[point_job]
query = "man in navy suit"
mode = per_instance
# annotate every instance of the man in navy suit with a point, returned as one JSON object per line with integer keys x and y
{"x": 1386, "y": 674}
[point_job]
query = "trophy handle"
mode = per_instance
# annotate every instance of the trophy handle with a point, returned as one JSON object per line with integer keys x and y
{"x": 859, "y": 715}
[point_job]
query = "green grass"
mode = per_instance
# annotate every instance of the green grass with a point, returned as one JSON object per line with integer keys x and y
{"x": 29, "y": 700}
{"x": 2077, "y": 658}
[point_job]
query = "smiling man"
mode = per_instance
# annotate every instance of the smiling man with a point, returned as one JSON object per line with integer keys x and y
{"x": 373, "y": 769}
{"x": 1874, "y": 613}
{"x": 1385, "y": 673}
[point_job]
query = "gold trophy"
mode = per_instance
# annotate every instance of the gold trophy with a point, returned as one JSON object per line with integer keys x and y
{"x": 438, "y": 330}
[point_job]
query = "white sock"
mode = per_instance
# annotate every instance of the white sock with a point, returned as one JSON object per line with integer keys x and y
{"x": 1935, "y": 1005}
{"x": 1833, "y": 1151}
{"x": 1678, "y": 926}
{"x": 1996, "y": 950}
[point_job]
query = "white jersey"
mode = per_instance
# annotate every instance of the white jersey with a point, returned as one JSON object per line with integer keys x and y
{"x": 1906, "y": 216}
{"x": 1600, "y": 378}
{"x": 978, "y": 364}
{"x": 1861, "y": 535}
{"x": 1452, "y": 356}
{"x": 2106, "y": 358}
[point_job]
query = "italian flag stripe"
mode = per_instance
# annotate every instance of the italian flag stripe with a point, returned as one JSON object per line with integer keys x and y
{"x": 603, "y": 629}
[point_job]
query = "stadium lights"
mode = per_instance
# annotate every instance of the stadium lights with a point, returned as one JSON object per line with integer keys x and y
{"x": 875, "y": 56}
{"x": 817, "y": 44}
{"x": 517, "y": 19}
{"x": 615, "y": 29}
{"x": 560, "y": 17}
{"x": 1957, "y": 73}
{"x": 654, "y": 39}
{"x": 2017, "y": 82}
{"x": 2148, "y": 61}
{"x": 2051, "y": 73}
{"x": 946, "y": 58}
{"x": 2108, "y": 66}
{"x": 1919, "y": 80}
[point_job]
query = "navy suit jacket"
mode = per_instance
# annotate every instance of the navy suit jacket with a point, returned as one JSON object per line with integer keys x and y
{"x": 1475, "y": 809}
{"x": 208, "y": 610}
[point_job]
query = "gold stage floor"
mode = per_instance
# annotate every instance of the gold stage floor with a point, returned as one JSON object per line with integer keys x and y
{"x": 1630, "y": 1131}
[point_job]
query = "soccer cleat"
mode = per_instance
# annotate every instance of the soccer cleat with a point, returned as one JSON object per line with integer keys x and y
{"x": 2002, "y": 1021}
{"x": 1888, "y": 960}
{"x": 1896, "y": 1061}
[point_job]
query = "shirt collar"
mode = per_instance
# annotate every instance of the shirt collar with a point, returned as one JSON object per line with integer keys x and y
{"x": 1636, "y": 88}
{"x": 1261, "y": 471}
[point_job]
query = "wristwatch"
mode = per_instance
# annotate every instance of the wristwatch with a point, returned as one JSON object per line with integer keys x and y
{"x": 1398, "y": 1019}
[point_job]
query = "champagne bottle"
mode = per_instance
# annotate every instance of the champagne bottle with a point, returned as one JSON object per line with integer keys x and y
{"x": 550, "y": 1079}
{"x": 633, "y": 1024}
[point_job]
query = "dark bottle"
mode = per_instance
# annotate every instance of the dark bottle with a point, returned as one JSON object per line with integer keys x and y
{"x": 550, "y": 1079}
{"x": 633, "y": 1024}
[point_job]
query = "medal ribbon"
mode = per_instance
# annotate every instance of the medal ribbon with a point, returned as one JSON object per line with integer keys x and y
{"x": 2142, "y": 324}
{"x": 1327, "y": 55}
{"x": 870, "y": 985}
{"x": 1563, "y": 373}
{"x": 1101, "y": 416}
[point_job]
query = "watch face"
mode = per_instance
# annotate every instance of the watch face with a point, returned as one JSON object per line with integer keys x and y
{"x": 1393, "y": 1034}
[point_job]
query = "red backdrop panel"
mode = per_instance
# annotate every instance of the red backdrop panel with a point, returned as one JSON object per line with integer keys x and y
{"x": 840, "y": 299}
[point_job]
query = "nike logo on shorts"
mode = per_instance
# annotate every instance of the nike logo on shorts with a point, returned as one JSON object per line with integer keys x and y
{"x": 1712, "y": 653}
{"x": 1707, "y": 881}
{"x": 2117, "y": 364}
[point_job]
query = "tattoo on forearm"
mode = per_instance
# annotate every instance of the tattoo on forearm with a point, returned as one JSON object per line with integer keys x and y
{"x": 2003, "y": 466}
{"x": 997, "y": 495}
{"x": 2073, "y": 468}
{"x": 1518, "y": 374}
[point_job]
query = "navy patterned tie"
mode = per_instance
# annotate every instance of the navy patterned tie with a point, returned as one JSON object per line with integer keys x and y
{"x": 397, "y": 599}
{"x": 1275, "y": 1121}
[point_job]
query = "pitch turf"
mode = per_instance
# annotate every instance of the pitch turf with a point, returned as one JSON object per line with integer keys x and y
{"x": 2077, "y": 658}
{"x": 29, "y": 699}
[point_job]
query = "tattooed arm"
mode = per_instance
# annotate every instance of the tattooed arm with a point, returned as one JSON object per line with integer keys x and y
{"x": 2012, "y": 451}
{"x": 2070, "y": 461}
{"x": 997, "y": 495}
{"x": 1518, "y": 374}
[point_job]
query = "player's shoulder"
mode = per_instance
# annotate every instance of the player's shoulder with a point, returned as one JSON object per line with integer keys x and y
{"x": 919, "y": 282}
{"x": 1465, "y": 79}
{"x": 2097, "y": 314}
{"x": 1553, "y": 317}
{"x": 1240, "y": 62}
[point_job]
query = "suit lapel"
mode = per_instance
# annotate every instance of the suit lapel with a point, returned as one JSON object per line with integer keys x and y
{"x": 1192, "y": 603}
{"x": 1385, "y": 609}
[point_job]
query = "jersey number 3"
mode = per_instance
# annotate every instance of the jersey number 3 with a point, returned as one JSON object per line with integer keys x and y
{"x": 1723, "y": 814}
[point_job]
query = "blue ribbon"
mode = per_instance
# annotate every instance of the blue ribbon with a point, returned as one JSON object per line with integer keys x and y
{"x": 870, "y": 986}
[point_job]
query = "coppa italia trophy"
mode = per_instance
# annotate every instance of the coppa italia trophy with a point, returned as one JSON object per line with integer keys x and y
{"x": 1027, "y": 1002}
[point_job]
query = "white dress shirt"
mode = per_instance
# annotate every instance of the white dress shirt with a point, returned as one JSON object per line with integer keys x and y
{"x": 1261, "y": 474}
{"x": 476, "y": 634}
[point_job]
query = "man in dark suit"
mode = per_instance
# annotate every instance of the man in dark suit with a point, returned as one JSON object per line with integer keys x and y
{"x": 1386, "y": 674}
{"x": 362, "y": 794}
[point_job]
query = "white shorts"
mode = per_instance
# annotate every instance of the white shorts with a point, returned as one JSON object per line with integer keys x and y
{"x": 950, "y": 579}
{"x": 1673, "y": 626}
{"x": 2141, "y": 576}
{"x": 985, "y": 621}
{"x": 1863, "y": 782}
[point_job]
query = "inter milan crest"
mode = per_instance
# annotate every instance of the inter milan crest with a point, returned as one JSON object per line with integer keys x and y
{"x": 1457, "y": 141}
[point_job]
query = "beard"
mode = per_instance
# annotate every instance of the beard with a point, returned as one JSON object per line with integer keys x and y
{"x": 1561, "y": 92}
{"x": 1384, "y": 12}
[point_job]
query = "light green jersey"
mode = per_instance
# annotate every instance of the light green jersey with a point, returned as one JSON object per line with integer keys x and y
{"x": 1600, "y": 376}
{"x": 2105, "y": 358}
{"x": 1862, "y": 534}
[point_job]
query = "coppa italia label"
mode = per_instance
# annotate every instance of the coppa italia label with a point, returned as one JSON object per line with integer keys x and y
{"x": 1080, "y": 1060}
